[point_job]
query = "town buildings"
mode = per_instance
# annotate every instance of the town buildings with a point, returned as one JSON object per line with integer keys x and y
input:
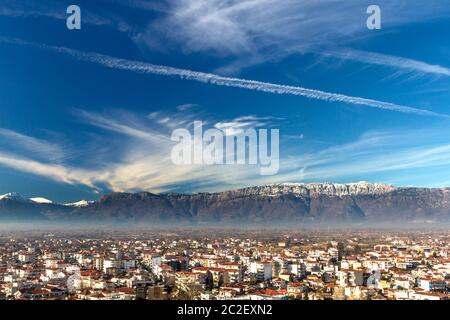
{"x": 225, "y": 264}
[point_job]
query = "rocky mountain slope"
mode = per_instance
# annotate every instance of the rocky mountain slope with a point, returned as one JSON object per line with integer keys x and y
{"x": 280, "y": 203}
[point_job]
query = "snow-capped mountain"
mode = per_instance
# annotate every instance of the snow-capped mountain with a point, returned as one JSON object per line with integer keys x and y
{"x": 17, "y": 197}
{"x": 14, "y": 207}
{"x": 330, "y": 189}
{"x": 81, "y": 203}
{"x": 288, "y": 203}
{"x": 12, "y": 196}
{"x": 41, "y": 200}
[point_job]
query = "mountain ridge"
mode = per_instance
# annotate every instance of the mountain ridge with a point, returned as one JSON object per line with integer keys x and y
{"x": 275, "y": 203}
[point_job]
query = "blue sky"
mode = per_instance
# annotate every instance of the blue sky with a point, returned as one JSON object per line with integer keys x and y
{"x": 367, "y": 105}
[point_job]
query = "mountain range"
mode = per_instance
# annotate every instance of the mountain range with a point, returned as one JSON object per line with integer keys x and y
{"x": 287, "y": 203}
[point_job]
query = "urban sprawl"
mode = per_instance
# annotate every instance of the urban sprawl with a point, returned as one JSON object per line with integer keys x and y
{"x": 213, "y": 264}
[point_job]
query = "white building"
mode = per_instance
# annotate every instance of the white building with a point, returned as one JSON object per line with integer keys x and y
{"x": 262, "y": 270}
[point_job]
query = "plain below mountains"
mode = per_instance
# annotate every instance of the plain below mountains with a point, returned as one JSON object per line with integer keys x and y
{"x": 277, "y": 204}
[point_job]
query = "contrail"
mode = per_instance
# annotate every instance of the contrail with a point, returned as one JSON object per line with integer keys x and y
{"x": 387, "y": 60}
{"x": 148, "y": 68}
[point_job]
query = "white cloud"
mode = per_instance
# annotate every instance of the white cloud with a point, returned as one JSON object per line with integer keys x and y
{"x": 232, "y": 127}
{"x": 258, "y": 31}
{"x": 57, "y": 11}
{"x": 186, "y": 106}
{"x": 138, "y": 163}
{"x": 57, "y": 172}
{"x": 137, "y": 160}
{"x": 373, "y": 152}
{"x": 254, "y": 32}
{"x": 37, "y": 147}
{"x": 131, "y": 130}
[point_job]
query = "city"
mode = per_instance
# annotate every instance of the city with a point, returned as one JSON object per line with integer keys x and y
{"x": 224, "y": 264}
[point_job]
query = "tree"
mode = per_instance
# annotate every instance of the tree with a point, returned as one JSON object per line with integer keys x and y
{"x": 209, "y": 281}
{"x": 340, "y": 248}
{"x": 220, "y": 280}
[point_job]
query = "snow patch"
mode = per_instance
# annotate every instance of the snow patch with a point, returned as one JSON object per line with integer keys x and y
{"x": 41, "y": 200}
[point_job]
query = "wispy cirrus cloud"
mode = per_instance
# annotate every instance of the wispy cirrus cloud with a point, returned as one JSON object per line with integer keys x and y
{"x": 408, "y": 151}
{"x": 255, "y": 32}
{"x": 36, "y": 146}
{"x": 139, "y": 163}
{"x": 186, "y": 106}
{"x": 57, "y": 11}
{"x": 236, "y": 125}
{"x": 140, "y": 159}
{"x": 209, "y": 78}
{"x": 121, "y": 127}
{"x": 58, "y": 172}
